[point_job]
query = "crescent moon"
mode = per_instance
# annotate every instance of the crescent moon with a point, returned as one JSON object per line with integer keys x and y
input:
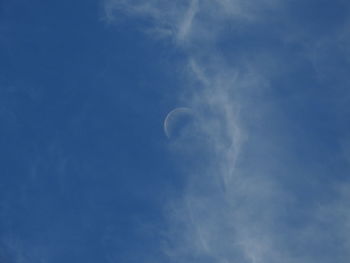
{"x": 172, "y": 115}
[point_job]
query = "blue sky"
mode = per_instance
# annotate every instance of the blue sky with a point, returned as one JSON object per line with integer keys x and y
{"x": 87, "y": 173}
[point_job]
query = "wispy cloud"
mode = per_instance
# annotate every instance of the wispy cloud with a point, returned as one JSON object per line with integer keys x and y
{"x": 178, "y": 18}
{"x": 253, "y": 198}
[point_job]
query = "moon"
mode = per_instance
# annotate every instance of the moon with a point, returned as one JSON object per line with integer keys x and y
{"x": 177, "y": 120}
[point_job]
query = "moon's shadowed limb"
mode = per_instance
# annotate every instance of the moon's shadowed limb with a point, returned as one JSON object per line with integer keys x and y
{"x": 178, "y": 121}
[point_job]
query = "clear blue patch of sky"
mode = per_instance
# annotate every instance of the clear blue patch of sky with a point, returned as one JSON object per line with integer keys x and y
{"x": 83, "y": 164}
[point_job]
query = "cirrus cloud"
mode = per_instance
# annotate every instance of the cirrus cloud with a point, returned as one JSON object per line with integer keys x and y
{"x": 262, "y": 189}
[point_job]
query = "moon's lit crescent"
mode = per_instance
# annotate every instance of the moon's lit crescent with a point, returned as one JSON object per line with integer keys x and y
{"x": 171, "y": 117}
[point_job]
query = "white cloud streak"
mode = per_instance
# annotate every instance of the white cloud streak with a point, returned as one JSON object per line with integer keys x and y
{"x": 241, "y": 203}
